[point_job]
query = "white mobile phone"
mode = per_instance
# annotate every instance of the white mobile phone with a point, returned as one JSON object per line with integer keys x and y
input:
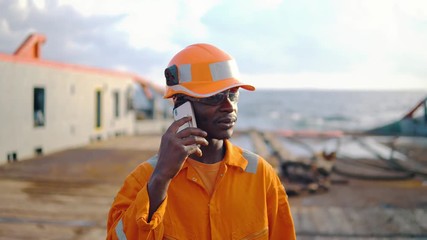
{"x": 183, "y": 111}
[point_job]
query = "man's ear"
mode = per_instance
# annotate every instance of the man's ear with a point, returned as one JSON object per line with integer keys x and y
{"x": 178, "y": 101}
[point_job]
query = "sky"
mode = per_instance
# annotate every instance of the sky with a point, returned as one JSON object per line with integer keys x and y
{"x": 278, "y": 44}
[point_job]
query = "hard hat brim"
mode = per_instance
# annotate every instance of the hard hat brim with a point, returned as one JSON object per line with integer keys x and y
{"x": 205, "y": 89}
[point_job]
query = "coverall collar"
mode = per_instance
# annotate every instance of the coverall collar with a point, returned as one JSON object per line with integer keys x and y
{"x": 233, "y": 157}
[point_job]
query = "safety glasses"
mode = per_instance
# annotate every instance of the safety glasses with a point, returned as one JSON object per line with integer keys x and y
{"x": 217, "y": 99}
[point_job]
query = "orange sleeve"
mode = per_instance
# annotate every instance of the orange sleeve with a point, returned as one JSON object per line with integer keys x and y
{"x": 281, "y": 224}
{"x": 128, "y": 215}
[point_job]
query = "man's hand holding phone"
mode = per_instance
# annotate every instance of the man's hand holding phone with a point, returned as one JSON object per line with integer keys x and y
{"x": 182, "y": 111}
{"x": 185, "y": 110}
{"x": 181, "y": 140}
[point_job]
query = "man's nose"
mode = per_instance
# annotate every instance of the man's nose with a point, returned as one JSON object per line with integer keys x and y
{"x": 228, "y": 105}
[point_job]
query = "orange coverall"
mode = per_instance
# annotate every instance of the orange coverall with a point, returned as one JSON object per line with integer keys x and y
{"x": 248, "y": 202}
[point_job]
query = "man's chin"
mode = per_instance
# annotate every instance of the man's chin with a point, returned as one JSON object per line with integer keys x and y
{"x": 224, "y": 135}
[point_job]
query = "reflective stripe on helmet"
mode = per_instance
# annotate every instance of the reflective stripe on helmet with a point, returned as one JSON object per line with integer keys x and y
{"x": 184, "y": 73}
{"x": 119, "y": 231}
{"x": 218, "y": 71}
{"x": 252, "y": 159}
{"x": 224, "y": 70}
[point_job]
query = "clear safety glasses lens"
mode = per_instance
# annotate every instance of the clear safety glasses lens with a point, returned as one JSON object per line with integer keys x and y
{"x": 217, "y": 98}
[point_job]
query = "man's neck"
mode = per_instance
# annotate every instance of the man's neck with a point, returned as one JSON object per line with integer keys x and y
{"x": 212, "y": 153}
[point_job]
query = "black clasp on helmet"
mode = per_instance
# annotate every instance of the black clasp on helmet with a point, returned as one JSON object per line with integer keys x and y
{"x": 171, "y": 75}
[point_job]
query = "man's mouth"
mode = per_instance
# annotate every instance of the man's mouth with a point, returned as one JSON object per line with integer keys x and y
{"x": 227, "y": 122}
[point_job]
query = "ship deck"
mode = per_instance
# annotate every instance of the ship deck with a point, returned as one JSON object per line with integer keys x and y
{"x": 67, "y": 195}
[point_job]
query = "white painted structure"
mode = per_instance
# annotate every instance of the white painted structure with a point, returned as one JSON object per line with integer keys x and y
{"x": 47, "y": 106}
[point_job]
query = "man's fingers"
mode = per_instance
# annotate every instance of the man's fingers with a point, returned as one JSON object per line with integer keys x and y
{"x": 191, "y": 132}
{"x": 194, "y": 149}
{"x": 178, "y": 123}
{"x": 199, "y": 152}
{"x": 190, "y": 140}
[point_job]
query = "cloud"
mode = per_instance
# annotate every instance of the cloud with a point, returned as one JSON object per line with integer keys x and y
{"x": 74, "y": 37}
{"x": 139, "y": 35}
{"x": 336, "y": 81}
{"x": 328, "y": 39}
{"x": 331, "y": 41}
{"x": 150, "y": 24}
{"x": 288, "y": 38}
{"x": 381, "y": 36}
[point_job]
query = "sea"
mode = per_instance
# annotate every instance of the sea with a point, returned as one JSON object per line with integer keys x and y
{"x": 323, "y": 110}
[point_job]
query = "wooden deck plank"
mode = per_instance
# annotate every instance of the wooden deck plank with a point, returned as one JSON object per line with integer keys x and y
{"x": 405, "y": 221}
{"x": 321, "y": 220}
{"x": 296, "y": 216}
{"x": 357, "y": 222}
{"x": 340, "y": 221}
{"x": 421, "y": 218}
{"x": 307, "y": 223}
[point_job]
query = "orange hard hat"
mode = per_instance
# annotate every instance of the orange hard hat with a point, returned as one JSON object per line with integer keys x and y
{"x": 202, "y": 70}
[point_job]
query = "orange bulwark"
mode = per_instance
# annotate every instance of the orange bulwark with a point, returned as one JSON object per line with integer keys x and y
{"x": 248, "y": 202}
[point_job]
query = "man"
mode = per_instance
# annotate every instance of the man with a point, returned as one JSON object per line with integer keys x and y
{"x": 199, "y": 185}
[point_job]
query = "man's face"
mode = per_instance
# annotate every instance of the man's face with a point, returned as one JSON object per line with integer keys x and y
{"x": 217, "y": 120}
